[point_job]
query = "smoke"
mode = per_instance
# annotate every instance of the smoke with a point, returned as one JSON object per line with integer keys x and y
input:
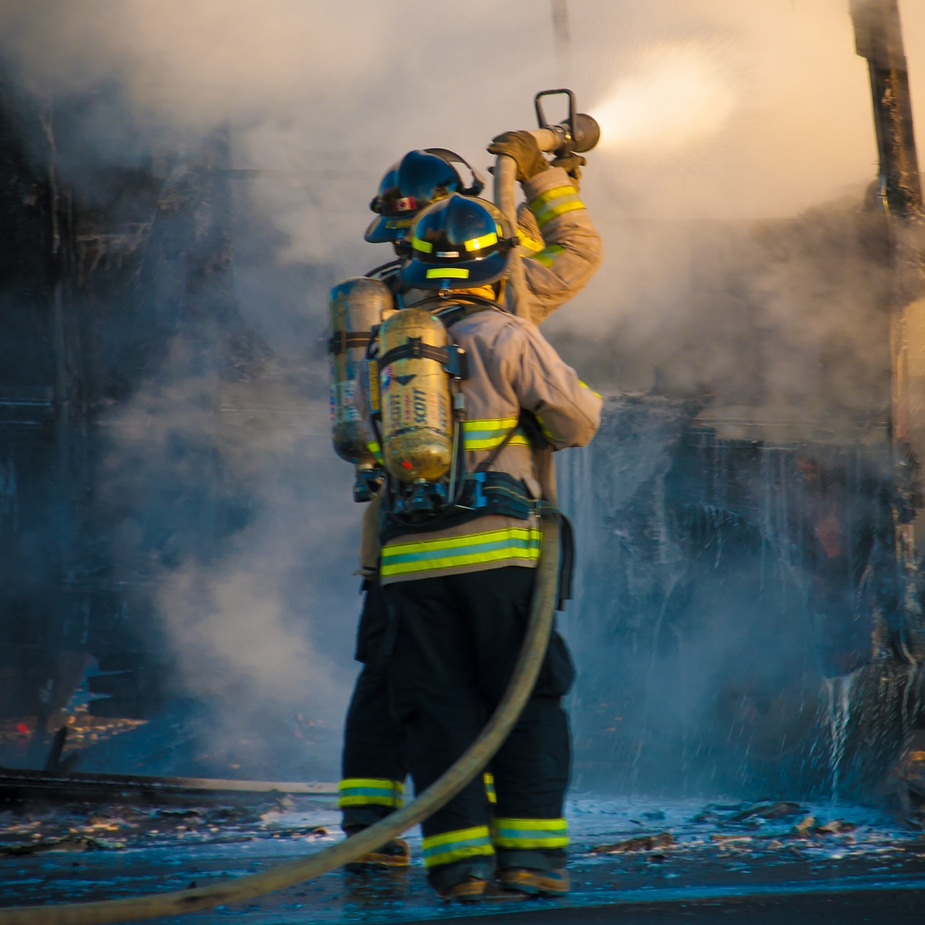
{"x": 679, "y": 95}
{"x": 715, "y": 116}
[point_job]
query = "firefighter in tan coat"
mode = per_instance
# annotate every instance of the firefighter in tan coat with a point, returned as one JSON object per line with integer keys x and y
{"x": 560, "y": 250}
{"x": 459, "y": 581}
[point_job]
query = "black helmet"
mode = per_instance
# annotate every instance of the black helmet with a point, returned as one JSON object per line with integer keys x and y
{"x": 458, "y": 243}
{"x": 412, "y": 184}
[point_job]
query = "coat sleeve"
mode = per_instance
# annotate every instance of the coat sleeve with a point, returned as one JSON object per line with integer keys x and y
{"x": 568, "y": 411}
{"x": 560, "y": 247}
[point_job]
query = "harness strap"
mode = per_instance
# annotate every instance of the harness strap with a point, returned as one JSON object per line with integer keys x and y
{"x": 342, "y": 341}
{"x": 385, "y": 269}
{"x": 451, "y": 357}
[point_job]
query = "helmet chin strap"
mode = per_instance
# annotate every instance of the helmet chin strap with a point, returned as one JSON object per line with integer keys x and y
{"x": 478, "y": 181}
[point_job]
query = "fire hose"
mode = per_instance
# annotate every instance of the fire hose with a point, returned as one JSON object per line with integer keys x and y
{"x": 492, "y": 737}
{"x": 578, "y": 133}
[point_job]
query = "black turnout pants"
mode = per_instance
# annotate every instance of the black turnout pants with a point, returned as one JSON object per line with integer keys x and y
{"x": 457, "y": 640}
{"x": 374, "y": 743}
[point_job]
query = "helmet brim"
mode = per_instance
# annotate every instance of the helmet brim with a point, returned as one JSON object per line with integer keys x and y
{"x": 386, "y": 229}
{"x": 419, "y": 275}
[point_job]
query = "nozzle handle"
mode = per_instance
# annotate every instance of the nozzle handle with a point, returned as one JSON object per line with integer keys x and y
{"x": 579, "y": 132}
{"x": 572, "y": 108}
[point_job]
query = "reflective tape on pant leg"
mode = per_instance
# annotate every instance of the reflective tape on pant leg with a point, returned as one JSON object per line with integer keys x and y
{"x": 370, "y": 791}
{"x": 490, "y": 788}
{"x": 457, "y": 845}
{"x": 530, "y": 833}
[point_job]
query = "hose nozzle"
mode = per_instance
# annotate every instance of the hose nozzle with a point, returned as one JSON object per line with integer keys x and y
{"x": 578, "y": 133}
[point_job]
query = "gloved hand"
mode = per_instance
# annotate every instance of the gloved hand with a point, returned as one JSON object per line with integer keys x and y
{"x": 523, "y": 148}
{"x": 572, "y": 163}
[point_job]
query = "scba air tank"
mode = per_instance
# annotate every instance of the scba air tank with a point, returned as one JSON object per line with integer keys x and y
{"x": 355, "y": 307}
{"x": 417, "y": 420}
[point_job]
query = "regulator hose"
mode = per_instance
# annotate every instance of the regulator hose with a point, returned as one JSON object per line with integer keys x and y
{"x": 481, "y": 751}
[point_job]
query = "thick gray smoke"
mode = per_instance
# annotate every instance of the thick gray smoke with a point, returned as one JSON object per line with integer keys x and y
{"x": 716, "y": 116}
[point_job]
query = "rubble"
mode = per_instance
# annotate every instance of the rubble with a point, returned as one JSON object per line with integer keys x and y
{"x": 66, "y": 843}
{"x": 835, "y": 827}
{"x": 782, "y": 810}
{"x": 639, "y": 843}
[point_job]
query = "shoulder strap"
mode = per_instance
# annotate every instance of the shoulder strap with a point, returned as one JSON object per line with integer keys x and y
{"x": 385, "y": 269}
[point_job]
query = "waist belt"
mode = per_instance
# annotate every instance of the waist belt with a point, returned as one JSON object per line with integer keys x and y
{"x": 493, "y": 493}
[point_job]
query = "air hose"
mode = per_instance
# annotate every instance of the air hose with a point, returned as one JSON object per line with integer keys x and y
{"x": 491, "y": 738}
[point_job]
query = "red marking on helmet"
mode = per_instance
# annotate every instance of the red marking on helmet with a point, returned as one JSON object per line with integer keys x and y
{"x": 406, "y": 204}
{"x": 406, "y": 464}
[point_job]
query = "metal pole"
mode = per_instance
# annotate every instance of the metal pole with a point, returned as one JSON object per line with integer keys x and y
{"x": 560, "y": 28}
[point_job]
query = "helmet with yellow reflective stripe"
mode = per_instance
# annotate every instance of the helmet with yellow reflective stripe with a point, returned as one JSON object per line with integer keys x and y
{"x": 413, "y": 183}
{"x": 458, "y": 243}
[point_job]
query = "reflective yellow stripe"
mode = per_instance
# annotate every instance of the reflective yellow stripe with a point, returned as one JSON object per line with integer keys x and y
{"x": 517, "y": 543}
{"x": 487, "y": 434}
{"x": 530, "y": 833}
{"x": 400, "y": 223}
{"x": 548, "y": 255}
{"x": 585, "y": 385}
{"x": 365, "y": 791}
{"x": 529, "y": 242}
{"x": 546, "y": 432}
{"x": 551, "y": 194}
{"x": 544, "y": 218}
{"x": 472, "y": 444}
{"x": 486, "y": 240}
{"x": 375, "y": 449}
{"x": 490, "y": 787}
{"x": 420, "y": 245}
{"x": 456, "y": 845}
{"x": 448, "y": 273}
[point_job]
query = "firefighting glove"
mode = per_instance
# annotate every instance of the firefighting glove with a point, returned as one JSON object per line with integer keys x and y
{"x": 572, "y": 164}
{"x": 523, "y": 148}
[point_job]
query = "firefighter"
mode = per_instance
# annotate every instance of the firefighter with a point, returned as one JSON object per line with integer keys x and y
{"x": 373, "y": 764}
{"x": 459, "y": 585}
{"x": 561, "y": 251}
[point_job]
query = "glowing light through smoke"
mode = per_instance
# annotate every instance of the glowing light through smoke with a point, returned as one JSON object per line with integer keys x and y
{"x": 678, "y": 96}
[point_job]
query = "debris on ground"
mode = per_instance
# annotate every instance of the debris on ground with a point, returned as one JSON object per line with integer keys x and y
{"x": 835, "y": 827}
{"x": 67, "y": 843}
{"x": 778, "y": 810}
{"x": 639, "y": 843}
{"x": 805, "y": 826}
{"x": 717, "y": 813}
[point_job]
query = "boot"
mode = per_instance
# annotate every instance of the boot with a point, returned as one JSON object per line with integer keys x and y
{"x": 534, "y": 882}
{"x": 470, "y": 890}
{"x": 392, "y": 855}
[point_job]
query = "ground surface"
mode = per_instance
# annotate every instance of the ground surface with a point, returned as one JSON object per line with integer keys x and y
{"x": 761, "y": 862}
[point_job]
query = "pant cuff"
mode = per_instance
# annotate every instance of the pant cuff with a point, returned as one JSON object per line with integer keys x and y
{"x": 445, "y": 876}
{"x": 531, "y": 858}
{"x": 361, "y": 817}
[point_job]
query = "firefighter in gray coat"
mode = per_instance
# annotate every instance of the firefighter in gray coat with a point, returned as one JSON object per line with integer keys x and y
{"x": 458, "y": 582}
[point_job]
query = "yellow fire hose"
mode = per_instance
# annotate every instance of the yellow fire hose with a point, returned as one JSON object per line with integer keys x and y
{"x": 437, "y": 795}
